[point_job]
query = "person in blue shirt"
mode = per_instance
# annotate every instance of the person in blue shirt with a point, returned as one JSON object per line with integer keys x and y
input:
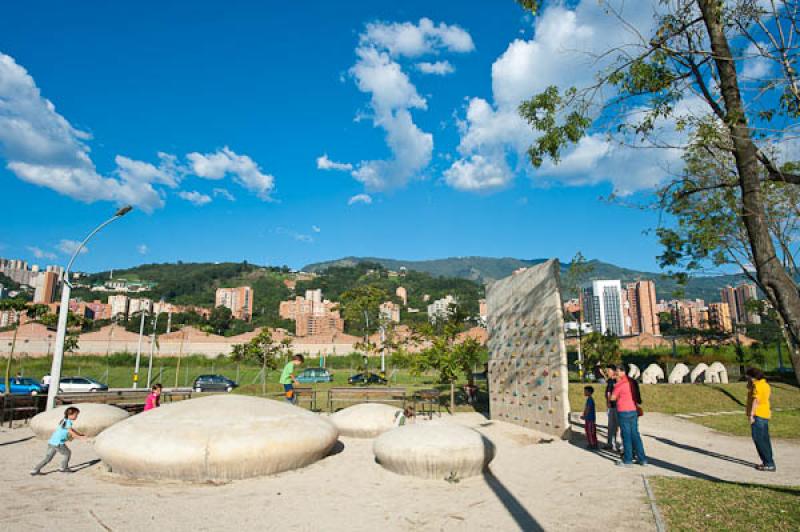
{"x": 58, "y": 442}
{"x": 589, "y": 418}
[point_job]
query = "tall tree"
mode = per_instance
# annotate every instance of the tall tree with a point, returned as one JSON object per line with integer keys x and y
{"x": 690, "y": 60}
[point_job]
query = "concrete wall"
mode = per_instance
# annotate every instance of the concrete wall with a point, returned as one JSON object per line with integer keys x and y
{"x": 528, "y": 382}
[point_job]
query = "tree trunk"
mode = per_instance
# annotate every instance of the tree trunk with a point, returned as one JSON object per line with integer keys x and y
{"x": 452, "y": 398}
{"x": 776, "y": 282}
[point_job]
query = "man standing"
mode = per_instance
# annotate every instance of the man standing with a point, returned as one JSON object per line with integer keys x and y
{"x": 611, "y": 406}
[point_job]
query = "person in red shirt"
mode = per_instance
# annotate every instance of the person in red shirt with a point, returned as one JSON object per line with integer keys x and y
{"x": 626, "y": 394}
{"x": 153, "y": 398}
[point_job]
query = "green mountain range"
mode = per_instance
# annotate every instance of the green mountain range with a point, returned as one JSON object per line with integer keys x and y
{"x": 482, "y": 269}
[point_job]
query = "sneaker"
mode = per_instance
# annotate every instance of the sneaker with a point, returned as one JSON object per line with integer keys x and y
{"x": 67, "y": 470}
{"x": 620, "y": 463}
{"x": 608, "y": 448}
{"x": 769, "y": 468}
{"x": 644, "y": 464}
{"x": 35, "y": 473}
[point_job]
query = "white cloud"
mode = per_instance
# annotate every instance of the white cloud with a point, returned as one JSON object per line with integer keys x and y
{"x": 225, "y": 193}
{"x": 360, "y": 198}
{"x": 42, "y": 148}
{"x": 142, "y": 249}
{"x": 244, "y": 170}
{"x": 412, "y": 40}
{"x": 68, "y": 247}
{"x": 316, "y": 229}
{"x": 324, "y": 163}
{"x": 195, "y": 198}
{"x": 168, "y": 172}
{"x": 439, "y": 68}
{"x": 294, "y": 235}
{"x": 562, "y": 52}
{"x": 755, "y": 67}
{"x": 41, "y": 254}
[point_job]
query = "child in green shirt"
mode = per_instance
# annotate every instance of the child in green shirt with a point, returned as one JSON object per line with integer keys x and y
{"x": 288, "y": 379}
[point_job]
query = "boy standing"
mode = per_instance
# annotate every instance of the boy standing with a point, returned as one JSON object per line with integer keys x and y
{"x": 589, "y": 418}
{"x": 613, "y": 425}
{"x": 288, "y": 379}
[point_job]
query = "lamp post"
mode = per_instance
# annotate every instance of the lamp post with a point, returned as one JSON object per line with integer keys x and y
{"x": 152, "y": 348}
{"x": 139, "y": 351}
{"x": 61, "y": 332}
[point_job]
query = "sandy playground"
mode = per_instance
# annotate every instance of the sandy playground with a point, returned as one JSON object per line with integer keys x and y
{"x": 530, "y": 486}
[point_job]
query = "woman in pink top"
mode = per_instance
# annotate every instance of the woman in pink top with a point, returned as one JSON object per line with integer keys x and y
{"x": 153, "y": 398}
{"x": 626, "y": 394}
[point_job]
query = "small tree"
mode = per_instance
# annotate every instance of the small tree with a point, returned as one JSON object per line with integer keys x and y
{"x": 601, "y": 349}
{"x": 16, "y": 306}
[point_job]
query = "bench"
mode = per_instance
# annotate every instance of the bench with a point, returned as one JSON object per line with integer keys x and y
{"x": 366, "y": 395}
{"x": 429, "y": 398}
{"x": 24, "y": 407}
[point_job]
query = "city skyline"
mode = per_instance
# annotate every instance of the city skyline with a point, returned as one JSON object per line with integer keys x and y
{"x": 231, "y": 154}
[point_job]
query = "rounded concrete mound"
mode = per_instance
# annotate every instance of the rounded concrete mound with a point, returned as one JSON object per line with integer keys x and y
{"x": 93, "y": 419}
{"x": 434, "y": 451}
{"x": 216, "y": 438}
{"x": 365, "y": 420}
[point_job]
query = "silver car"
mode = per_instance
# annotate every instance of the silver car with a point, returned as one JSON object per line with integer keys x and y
{"x": 81, "y": 384}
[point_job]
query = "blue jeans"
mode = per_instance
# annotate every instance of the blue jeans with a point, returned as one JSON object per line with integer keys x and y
{"x": 288, "y": 390}
{"x": 631, "y": 440}
{"x": 760, "y": 431}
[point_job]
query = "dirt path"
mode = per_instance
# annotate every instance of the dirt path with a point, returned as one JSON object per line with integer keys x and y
{"x": 532, "y": 486}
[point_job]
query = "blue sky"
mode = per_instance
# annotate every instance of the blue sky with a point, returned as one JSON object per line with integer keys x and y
{"x": 412, "y": 106}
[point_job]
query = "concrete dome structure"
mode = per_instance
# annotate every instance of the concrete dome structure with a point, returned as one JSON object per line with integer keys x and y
{"x": 652, "y": 374}
{"x": 434, "y": 451}
{"x": 93, "y": 419}
{"x": 700, "y": 370}
{"x": 719, "y": 373}
{"x": 678, "y": 373}
{"x": 366, "y": 420}
{"x": 220, "y": 437}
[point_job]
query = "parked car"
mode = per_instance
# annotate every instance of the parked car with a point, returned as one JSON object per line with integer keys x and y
{"x": 81, "y": 384}
{"x": 368, "y": 378}
{"x": 22, "y": 386}
{"x": 214, "y": 383}
{"x": 310, "y": 375}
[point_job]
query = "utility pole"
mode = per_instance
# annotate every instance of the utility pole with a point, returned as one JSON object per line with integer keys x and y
{"x": 138, "y": 352}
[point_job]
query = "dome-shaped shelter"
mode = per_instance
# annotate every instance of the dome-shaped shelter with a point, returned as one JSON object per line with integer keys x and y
{"x": 365, "y": 420}
{"x": 221, "y": 437}
{"x": 434, "y": 451}
{"x": 93, "y": 419}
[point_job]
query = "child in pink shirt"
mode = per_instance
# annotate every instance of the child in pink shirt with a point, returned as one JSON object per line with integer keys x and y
{"x": 153, "y": 398}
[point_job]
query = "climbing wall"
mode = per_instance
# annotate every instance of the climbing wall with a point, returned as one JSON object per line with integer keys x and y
{"x": 527, "y": 350}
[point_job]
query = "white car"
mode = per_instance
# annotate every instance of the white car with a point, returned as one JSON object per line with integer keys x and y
{"x": 81, "y": 384}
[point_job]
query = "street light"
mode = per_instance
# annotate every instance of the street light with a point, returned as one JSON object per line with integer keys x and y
{"x": 61, "y": 332}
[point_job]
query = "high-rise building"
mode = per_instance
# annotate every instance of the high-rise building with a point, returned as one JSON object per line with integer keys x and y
{"x": 46, "y": 285}
{"x": 690, "y": 314}
{"x": 136, "y": 305}
{"x": 745, "y": 293}
{"x": 441, "y": 308}
{"x": 239, "y": 300}
{"x": 402, "y": 294}
{"x": 390, "y": 312}
{"x": 719, "y": 317}
{"x": 737, "y": 299}
{"x": 642, "y": 308}
{"x": 603, "y": 306}
{"x": 312, "y": 314}
{"x": 119, "y": 305}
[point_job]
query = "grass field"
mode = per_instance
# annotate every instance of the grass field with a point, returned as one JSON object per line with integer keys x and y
{"x": 703, "y": 505}
{"x": 782, "y": 425}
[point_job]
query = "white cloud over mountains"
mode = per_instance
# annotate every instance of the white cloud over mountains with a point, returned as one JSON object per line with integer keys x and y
{"x": 378, "y": 72}
{"x": 41, "y": 147}
{"x": 242, "y": 168}
{"x": 564, "y": 52}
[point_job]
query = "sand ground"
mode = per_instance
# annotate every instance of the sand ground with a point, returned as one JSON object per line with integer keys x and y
{"x": 530, "y": 486}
